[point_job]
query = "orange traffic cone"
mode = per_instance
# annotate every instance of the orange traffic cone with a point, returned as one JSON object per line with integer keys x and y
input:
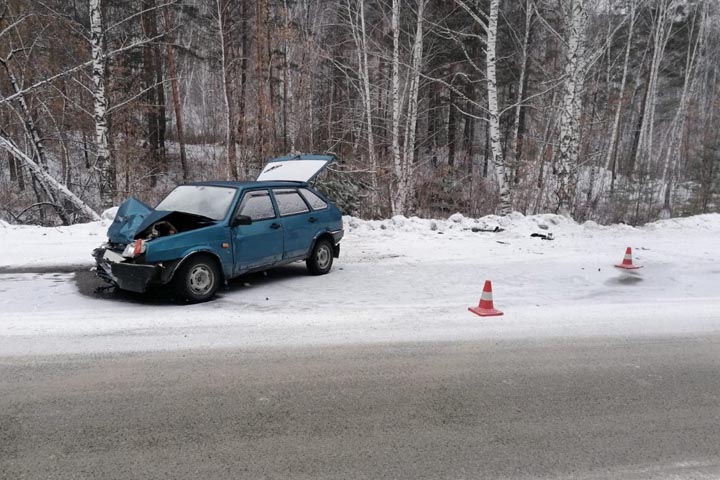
{"x": 486, "y": 308}
{"x": 627, "y": 261}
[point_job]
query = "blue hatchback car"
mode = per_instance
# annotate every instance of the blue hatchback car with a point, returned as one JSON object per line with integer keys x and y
{"x": 203, "y": 234}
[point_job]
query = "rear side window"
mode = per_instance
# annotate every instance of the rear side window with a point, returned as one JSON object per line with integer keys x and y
{"x": 290, "y": 202}
{"x": 315, "y": 202}
{"x": 257, "y": 205}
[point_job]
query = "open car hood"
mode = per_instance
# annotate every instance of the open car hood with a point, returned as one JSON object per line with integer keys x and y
{"x": 299, "y": 168}
{"x": 129, "y": 218}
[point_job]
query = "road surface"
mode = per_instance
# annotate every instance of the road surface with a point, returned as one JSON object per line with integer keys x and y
{"x": 574, "y": 408}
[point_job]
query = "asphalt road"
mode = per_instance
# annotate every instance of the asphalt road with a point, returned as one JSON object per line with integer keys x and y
{"x": 602, "y": 408}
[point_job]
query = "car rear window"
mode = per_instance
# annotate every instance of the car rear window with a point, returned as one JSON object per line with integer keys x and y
{"x": 257, "y": 205}
{"x": 315, "y": 202}
{"x": 290, "y": 202}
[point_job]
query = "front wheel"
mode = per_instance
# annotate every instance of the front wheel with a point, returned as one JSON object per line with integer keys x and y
{"x": 321, "y": 258}
{"x": 196, "y": 280}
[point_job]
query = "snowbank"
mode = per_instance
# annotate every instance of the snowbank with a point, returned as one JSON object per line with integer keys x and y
{"x": 32, "y": 246}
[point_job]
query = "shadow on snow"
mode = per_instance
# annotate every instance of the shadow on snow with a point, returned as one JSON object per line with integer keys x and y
{"x": 90, "y": 285}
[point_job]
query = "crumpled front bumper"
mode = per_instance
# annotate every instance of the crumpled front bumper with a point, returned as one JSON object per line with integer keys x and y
{"x": 135, "y": 277}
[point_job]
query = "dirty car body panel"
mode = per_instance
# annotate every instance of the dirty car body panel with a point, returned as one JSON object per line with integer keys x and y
{"x": 242, "y": 226}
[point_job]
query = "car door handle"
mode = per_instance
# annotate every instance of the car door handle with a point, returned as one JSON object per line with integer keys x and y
{"x": 312, "y": 219}
{"x": 275, "y": 226}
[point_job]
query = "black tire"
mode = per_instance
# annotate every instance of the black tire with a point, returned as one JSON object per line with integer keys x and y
{"x": 197, "y": 280}
{"x": 321, "y": 259}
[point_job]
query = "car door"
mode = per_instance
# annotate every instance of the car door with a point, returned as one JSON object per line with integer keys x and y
{"x": 299, "y": 224}
{"x": 260, "y": 243}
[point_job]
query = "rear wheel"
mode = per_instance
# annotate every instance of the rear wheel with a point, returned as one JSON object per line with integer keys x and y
{"x": 321, "y": 258}
{"x": 197, "y": 280}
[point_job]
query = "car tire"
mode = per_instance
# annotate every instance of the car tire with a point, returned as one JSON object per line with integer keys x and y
{"x": 197, "y": 280}
{"x": 321, "y": 259}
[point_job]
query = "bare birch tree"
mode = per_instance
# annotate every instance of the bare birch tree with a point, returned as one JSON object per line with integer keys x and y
{"x": 505, "y": 203}
{"x": 662, "y": 27}
{"x": 677, "y": 126}
{"x": 489, "y": 25}
{"x": 406, "y": 182}
{"x": 399, "y": 196}
{"x": 515, "y": 140}
{"x": 46, "y": 181}
{"x": 611, "y": 155}
{"x": 104, "y": 164}
{"x": 356, "y": 18}
{"x": 571, "y": 110}
{"x": 38, "y": 147}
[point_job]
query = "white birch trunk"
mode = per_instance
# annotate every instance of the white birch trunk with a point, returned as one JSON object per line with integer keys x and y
{"x": 28, "y": 121}
{"x": 408, "y": 179}
{"x": 368, "y": 109}
{"x": 398, "y": 201}
{"x": 103, "y": 165}
{"x": 567, "y": 162}
{"x": 505, "y": 204}
{"x": 47, "y": 183}
{"x": 496, "y": 153}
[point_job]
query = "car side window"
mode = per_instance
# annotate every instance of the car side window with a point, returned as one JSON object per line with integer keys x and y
{"x": 315, "y": 202}
{"x": 290, "y": 202}
{"x": 257, "y": 205}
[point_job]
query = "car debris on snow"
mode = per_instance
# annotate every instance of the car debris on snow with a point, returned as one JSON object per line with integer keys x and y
{"x": 543, "y": 236}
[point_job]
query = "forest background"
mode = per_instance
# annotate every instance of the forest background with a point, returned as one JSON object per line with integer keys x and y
{"x": 603, "y": 110}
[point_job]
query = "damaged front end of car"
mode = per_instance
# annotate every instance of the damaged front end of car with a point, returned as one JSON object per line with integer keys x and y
{"x": 130, "y": 271}
{"x": 123, "y": 260}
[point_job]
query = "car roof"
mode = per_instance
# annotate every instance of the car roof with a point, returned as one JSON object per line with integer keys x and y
{"x": 249, "y": 184}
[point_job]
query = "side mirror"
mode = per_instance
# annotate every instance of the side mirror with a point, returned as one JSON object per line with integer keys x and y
{"x": 241, "y": 220}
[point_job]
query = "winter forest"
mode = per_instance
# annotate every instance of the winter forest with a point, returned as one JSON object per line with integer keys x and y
{"x": 603, "y": 110}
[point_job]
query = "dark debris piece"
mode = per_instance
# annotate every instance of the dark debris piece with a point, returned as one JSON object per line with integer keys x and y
{"x": 543, "y": 236}
{"x": 487, "y": 230}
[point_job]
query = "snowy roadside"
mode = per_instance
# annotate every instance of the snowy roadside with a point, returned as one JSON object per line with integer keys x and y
{"x": 397, "y": 280}
{"x": 29, "y": 246}
{"x": 408, "y": 238}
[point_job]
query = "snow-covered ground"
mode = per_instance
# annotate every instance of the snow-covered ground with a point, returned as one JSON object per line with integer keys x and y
{"x": 396, "y": 280}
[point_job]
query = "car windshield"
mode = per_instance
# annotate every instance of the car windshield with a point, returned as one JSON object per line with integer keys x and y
{"x": 208, "y": 201}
